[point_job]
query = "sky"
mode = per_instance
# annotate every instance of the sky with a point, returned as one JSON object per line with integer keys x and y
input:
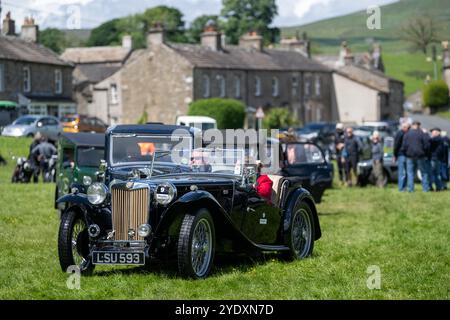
{"x": 75, "y": 14}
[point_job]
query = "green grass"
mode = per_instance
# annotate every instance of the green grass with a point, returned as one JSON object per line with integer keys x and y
{"x": 443, "y": 114}
{"x": 406, "y": 235}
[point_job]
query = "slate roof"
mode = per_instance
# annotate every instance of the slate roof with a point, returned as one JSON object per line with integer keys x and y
{"x": 95, "y": 73}
{"x": 96, "y": 54}
{"x": 14, "y": 48}
{"x": 233, "y": 57}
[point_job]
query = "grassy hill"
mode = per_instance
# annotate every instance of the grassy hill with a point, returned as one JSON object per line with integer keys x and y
{"x": 401, "y": 63}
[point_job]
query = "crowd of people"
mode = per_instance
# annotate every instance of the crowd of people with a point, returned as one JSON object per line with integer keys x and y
{"x": 417, "y": 149}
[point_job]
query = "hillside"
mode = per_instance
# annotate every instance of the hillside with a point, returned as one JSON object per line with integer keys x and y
{"x": 400, "y": 62}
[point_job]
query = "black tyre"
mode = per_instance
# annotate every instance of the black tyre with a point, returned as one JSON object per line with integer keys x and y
{"x": 73, "y": 242}
{"x": 300, "y": 237}
{"x": 196, "y": 245}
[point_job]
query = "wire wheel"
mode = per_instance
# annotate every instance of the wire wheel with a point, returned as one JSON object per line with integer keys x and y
{"x": 301, "y": 235}
{"x": 78, "y": 242}
{"x": 201, "y": 248}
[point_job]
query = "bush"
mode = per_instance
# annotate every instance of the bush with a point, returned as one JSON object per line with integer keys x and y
{"x": 278, "y": 118}
{"x": 436, "y": 94}
{"x": 229, "y": 113}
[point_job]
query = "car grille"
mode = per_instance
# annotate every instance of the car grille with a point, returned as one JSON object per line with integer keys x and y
{"x": 129, "y": 211}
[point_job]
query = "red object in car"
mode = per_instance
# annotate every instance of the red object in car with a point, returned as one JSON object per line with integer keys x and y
{"x": 263, "y": 187}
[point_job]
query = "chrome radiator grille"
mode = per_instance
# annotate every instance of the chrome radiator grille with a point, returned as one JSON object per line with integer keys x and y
{"x": 129, "y": 211}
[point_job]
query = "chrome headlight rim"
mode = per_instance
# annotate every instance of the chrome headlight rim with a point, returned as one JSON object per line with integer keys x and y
{"x": 97, "y": 193}
{"x": 169, "y": 193}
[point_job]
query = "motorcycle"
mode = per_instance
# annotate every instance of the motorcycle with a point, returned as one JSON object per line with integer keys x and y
{"x": 50, "y": 175}
{"x": 23, "y": 170}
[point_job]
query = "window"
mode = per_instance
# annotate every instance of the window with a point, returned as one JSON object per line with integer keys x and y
{"x": 58, "y": 81}
{"x": 294, "y": 86}
{"x": 26, "y": 79}
{"x": 206, "y": 86}
{"x": 237, "y": 88}
{"x": 222, "y": 86}
{"x": 2, "y": 78}
{"x": 257, "y": 86}
{"x": 275, "y": 87}
{"x": 307, "y": 87}
{"x": 114, "y": 94}
{"x": 317, "y": 85}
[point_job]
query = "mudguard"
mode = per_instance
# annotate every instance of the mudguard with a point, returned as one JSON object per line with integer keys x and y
{"x": 299, "y": 195}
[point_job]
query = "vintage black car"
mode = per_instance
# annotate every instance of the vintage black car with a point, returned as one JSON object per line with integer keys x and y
{"x": 77, "y": 163}
{"x": 156, "y": 198}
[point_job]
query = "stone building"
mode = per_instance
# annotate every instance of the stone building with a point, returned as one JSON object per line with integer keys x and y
{"x": 165, "y": 78}
{"x": 32, "y": 77}
{"x": 92, "y": 66}
{"x": 362, "y": 91}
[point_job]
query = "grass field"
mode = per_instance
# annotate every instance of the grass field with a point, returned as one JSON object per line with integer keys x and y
{"x": 405, "y": 235}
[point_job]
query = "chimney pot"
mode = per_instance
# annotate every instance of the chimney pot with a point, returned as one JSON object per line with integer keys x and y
{"x": 30, "y": 31}
{"x": 9, "y": 25}
{"x": 252, "y": 41}
{"x": 156, "y": 36}
{"x": 127, "y": 42}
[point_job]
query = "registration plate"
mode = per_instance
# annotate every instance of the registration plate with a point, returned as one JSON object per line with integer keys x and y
{"x": 122, "y": 258}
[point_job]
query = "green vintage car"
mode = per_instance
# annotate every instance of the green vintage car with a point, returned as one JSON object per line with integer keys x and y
{"x": 79, "y": 156}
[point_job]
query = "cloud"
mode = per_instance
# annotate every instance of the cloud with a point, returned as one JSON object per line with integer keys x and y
{"x": 93, "y": 12}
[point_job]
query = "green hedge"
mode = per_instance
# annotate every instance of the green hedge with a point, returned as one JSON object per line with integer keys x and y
{"x": 436, "y": 94}
{"x": 229, "y": 113}
{"x": 278, "y": 118}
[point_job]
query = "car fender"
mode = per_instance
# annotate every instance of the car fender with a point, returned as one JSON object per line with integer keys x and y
{"x": 299, "y": 195}
{"x": 79, "y": 199}
{"x": 194, "y": 200}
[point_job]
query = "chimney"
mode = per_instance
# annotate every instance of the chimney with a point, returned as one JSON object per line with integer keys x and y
{"x": 156, "y": 36}
{"x": 252, "y": 41}
{"x": 127, "y": 42}
{"x": 30, "y": 31}
{"x": 9, "y": 26}
{"x": 377, "y": 61}
{"x": 296, "y": 44}
{"x": 210, "y": 37}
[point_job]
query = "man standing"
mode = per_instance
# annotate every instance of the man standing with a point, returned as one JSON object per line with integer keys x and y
{"x": 444, "y": 164}
{"x": 415, "y": 146}
{"x": 33, "y": 159}
{"x": 400, "y": 157}
{"x": 351, "y": 155}
{"x": 339, "y": 140}
{"x": 377, "y": 160}
{"x": 43, "y": 152}
{"x": 437, "y": 157}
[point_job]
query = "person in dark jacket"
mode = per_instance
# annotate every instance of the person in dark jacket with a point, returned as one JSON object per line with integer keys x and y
{"x": 377, "y": 160}
{"x": 43, "y": 152}
{"x": 339, "y": 140}
{"x": 400, "y": 157}
{"x": 416, "y": 147}
{"x": 33, "y": 158}
{"x": 351, "y": 152}
{"x": 444, "y": 165}
{"x": 437, "y": 149}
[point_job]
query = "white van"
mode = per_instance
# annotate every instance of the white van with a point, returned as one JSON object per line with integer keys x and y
{"x": 202, "y": 123}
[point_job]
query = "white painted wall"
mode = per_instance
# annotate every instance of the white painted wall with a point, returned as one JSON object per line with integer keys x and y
{"x": 356, "y": 103}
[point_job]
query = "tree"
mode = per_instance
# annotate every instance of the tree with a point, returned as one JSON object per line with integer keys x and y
{"x": 242, "y": 16}
{"x": 105, "y": 35}
{"x": 53, "y": 39}
{"x": 436, "y": 94}
{"x": 229, "y": 113}
{"x": 198, "y": 25}
{"x": 420, "y": 32}
{"x": 278, "y": 118}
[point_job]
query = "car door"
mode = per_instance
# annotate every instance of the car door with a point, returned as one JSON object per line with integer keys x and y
{"x": 307, "y": 163}
{"x": 53, "y": 128}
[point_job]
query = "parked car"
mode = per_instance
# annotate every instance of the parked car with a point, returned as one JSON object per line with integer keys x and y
{"x": 320, "y": 133}
{"x": 150, "y": 206}
{"x": 201, "y": 123}
{"x": 27, "y": 126}
{"x": 78, "y": 161}
{"x": 82, "y": 123}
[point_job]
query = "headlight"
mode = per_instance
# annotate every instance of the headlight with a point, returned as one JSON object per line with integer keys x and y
{"x": 165, "y": 193}
{"x": 87, "y": 181}
{"x": 144, "y": 230}
{"x": 97, "y": 193}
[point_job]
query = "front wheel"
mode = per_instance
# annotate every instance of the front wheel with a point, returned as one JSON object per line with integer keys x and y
{"x": 300, "y": 237}
{"x": 196, "y": 245}
{"x": 73, "y": 242}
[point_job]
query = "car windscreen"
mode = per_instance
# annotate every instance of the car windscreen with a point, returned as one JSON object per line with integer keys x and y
{"x": 297, "y": 154}
{"x": 90, "y": 156}
{"x": 127, "y": 149}
{"x": 25, "y": 121}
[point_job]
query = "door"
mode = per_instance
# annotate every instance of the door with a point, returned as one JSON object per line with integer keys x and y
{"x": 52, "y": 128}
{"x": 307, "y": 162}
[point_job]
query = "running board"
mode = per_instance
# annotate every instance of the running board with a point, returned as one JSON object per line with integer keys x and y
{"x": 272, "y": 248}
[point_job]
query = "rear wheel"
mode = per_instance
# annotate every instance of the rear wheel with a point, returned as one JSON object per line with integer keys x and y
{"x": 300, "y": 237}
{"x": 73, "y": 242}
{"x": 196, "y": 245}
